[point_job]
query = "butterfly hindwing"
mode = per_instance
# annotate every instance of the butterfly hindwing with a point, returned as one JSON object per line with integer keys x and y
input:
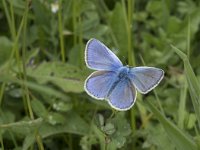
{"x": 99, "y": 57}
{"x": 98, "y": 83}
{"x": 145, "y": 78}
{"x": 123, "y": 95}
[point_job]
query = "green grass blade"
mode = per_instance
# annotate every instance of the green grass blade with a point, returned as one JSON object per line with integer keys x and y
{"x": 180, "y": 53}
{"x": 178, "y": 137}
{"x": 193, "y": 83}
{"x": 182, "y": 105}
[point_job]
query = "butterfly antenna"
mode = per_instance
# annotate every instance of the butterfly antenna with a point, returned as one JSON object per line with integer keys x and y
{"x": 142, "y": 60}
{"x": 124, "y": 60}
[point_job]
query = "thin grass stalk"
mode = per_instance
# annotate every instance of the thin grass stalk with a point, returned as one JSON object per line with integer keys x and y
{"x": 15, "y": 45}
{"x": 70, "y": 141}
{"x": 60, "y": 29}
{"x": 159, "y": 103}
{"x": 2, "y": 145}
{"x": 182, "y": 103}
{"x": 101, "y": 137}
{"x": 8, "y": 18}
{"x": 27, "y": 97}
{"x": 194, "y": 90}
{"x": 13, "y": 139}
{"x": 12, "y": 20}
{"x": 131, "y": 57}
{"x": 188, "y": 39}
{"x": 2, "y": 92}
{"x": 128, "y": 22}
{"x": 16, "y": 49}
{"x": 81, "y": 60}
{"x": 74, "y": 19}
{"x": 192, "y": 81}
{"x": 9, "y": 132}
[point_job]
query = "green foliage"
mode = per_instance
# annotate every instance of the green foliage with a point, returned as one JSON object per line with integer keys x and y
{"x": 42, "y": 72}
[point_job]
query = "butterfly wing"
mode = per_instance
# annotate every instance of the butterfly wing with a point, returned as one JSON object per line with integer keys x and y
{"x": 98, "y": 83}
{"x": 99, "y": 57}
{"x": 123, "y": 95}
{"x": 145, "y": 78}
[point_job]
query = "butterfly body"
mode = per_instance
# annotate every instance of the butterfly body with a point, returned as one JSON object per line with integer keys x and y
{"x": 113, "y": 81}
{"x": 121, "y": 74}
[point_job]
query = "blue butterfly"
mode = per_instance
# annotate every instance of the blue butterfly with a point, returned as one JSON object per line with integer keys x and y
{"x": 113, "y": 81}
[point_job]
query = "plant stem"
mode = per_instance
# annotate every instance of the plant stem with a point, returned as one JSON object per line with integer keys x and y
{"x": 81, "y": 43}
{"x": 2, "y": 145}
{"x": 131, "y": 57}
{"x": 13, "y": 30}
{"x": 8, "y": 18}
{"x": 74, "y": 22}
{"x": 182, "y": 103}
{"x": 188, "y": 39}
{"x": 60, "y": 28}
{"x": 2, "y": 92}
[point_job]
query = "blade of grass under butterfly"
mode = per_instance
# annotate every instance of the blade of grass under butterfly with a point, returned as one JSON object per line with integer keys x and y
{"x": 178, "y": 137}
{"x": 193, "y": 83}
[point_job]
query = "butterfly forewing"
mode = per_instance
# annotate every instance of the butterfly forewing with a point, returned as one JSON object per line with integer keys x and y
{"x": 145, "y": 78}
{"x": 99, "y": 57}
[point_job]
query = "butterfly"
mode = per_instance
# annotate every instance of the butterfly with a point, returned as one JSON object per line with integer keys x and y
{"x": 114, "y": 82}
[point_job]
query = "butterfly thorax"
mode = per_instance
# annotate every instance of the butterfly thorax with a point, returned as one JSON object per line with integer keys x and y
{"x": 123, "y": 72}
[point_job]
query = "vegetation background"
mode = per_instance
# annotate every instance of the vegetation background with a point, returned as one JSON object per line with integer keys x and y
{"x": 42, "y": 71}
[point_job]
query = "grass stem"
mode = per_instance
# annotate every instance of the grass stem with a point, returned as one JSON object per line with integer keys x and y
{"x": 60, "y": 29}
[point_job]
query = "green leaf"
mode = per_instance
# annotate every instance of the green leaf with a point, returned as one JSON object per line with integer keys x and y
{"x": 5, "y": 49}
{"x": 38, "y": 108}
{"x": 191, "y": 121}
{"x": 56, "y": 118}
{"x": 43, "y": 89}
{"x": 62, "y": 106}
{"x": 29, "y": 140}
{"x": 69, "y": 78}
{"x": 120, "y": 130}
{"x": 5, "y": 118}
{"x": 117, "y": 22}
{"x": 74, "y": 124}
{"x": 109, "y": 128}
{"x": 23, "y": 127}
{"x": 87, "y": 141}
{"x": 20, "y": 4}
